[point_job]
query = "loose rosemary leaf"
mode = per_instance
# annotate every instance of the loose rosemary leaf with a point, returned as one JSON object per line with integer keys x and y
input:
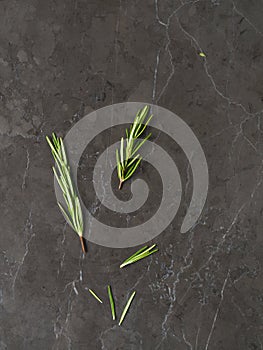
{"x": 125, "y": 310}
{"x": 112, "y": 304}
{"x": 95, "y": 295}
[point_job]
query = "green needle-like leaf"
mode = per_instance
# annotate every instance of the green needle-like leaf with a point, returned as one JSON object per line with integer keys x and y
{"x": 122, "y": 154}
{"x": 133, "y": 160}
{"x": 112, "y": 305}
{"x": 95, "y": 295}
{"x": 145, "y": 125}
{"x": 125, "y": 310}
{"x": 65, "y": 214}
{"x": 142, "y": 256}
{"x": 132, "y": 170}
{"x": 139, "y": 145}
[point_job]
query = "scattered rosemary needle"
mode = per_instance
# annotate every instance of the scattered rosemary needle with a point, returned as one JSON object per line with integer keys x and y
{"x": 73, "y": 214}
{"x": 112, "y": 305}
{"x": 129, "y": 159}
{"x": 95, "y": 295}
{"x": 140, "y": 254}
{"x": 127, "y": 307}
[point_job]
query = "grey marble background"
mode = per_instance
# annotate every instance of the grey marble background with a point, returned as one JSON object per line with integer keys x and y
{"x": 59, "y": 60}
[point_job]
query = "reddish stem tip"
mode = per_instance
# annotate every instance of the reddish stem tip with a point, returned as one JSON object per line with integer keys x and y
{"x": 82, "y": 244}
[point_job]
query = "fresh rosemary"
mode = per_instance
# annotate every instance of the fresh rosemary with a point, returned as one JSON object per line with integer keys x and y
{"x": 112, "y": 304}
{"x": 127, "y": 157}
{"x": 125, "y": 310}
{"x": 95, "y": 295}
{"x": 140, "y": 254}
{"x": 73, "y": 214}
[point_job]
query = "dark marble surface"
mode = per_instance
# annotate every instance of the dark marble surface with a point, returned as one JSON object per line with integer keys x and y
{"x": 59, "y": 60}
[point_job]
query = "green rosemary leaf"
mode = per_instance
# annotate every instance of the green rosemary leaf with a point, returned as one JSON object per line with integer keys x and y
{"x": 139, "y": 144}
{"x": 145, "y": 125}
{"x": 125, "y": 310}
{"x": 119, "y": 170}
{"x": 51, "y": 146}
{"x": 118, "y": 163}
{"x": 61, "y": 184}
{"x": 65, "y": 215}
{"x": 148, "y": 249}
{"x": 141, "y": 122}
{"x": 68, "y": 180}
{"x": 131, "y": 171}
{"x": 133, "y": 160}
{"x": 55, "y": 140}
{"x": 140, "y": 257}
{"x": 63, "y": 152}
{"x": 121, "y": 152}
{"x": 95, "y": 295}
{"x": 146, "y": 252}
{"x": 79, "y": 213}
{"x": 112, "y": 305}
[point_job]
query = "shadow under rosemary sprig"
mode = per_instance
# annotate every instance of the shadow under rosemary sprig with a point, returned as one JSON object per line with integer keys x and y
{"x": 128, "y": 158}
{"x": 73, "y": 213}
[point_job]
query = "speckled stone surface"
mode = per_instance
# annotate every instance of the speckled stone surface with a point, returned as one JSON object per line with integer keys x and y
{"x": 60, "y": 60}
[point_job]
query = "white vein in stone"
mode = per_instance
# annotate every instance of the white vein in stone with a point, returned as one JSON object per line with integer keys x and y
{"x": 172, "y": 292}
{"x": 226, "y": 98}
{"x": 217, "y": 311}
{"x": 155, "y": 74}
{"x": 246, "y": 19}
{"x": 189, "y": 345}
{"x": 26, "y": 170}
{"x": 28, "y": 231}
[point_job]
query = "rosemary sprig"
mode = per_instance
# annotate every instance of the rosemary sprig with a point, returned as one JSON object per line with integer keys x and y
{"x": 112, "y": 305}
{"x": 125, "y": 310}
{"x": 73, "y": 214}
{"x": 95, "y": 295}
{"x": 140, "y": 254}
{"x": 128, "y": 157}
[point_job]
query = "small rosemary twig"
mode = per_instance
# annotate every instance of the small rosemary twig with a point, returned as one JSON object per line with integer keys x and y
{"x": 127, "y": 307}
{"x": 128, "y": 159}
{"x": 140, "y": 254}
{"x": 73, "y": 214}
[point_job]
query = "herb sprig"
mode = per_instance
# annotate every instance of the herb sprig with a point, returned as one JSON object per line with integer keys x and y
{"x": 73, "y": 213}
{"x": 128, "y": 157}
{"x": 140, "y": 254}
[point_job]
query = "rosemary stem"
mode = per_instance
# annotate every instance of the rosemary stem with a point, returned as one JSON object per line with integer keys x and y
{"x": 120, "y": 184}
{"x": 82, "y": 244}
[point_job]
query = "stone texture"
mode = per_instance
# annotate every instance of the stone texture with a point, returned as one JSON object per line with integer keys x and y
{"x": 62, "y": 59}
